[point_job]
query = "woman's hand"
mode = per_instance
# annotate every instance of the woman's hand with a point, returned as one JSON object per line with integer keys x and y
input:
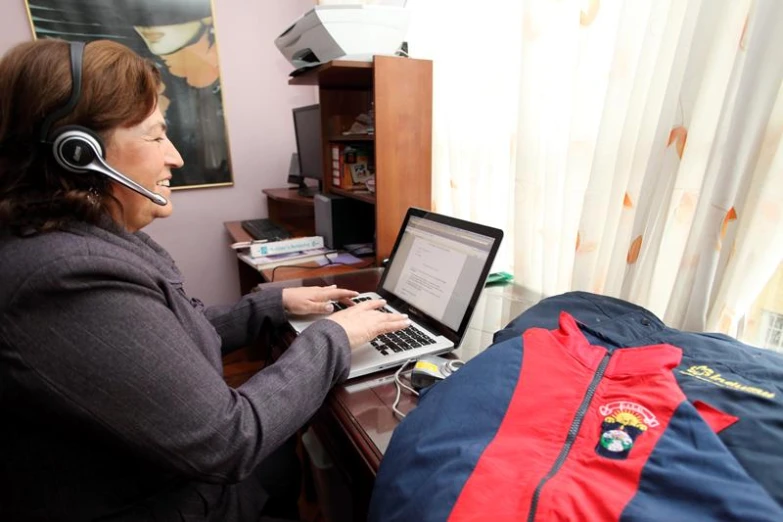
{"x": 363, "y": 322}
{"x": 306, "y": 300}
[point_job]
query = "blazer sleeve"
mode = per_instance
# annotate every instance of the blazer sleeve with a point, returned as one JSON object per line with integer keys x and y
{"x": 240, "y": 324}
{"x": 95, "y": 342}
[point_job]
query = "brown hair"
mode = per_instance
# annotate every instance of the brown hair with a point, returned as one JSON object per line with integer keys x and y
{"x": 119, "y": 89}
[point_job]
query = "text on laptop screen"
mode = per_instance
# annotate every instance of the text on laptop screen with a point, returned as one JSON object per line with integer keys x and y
{"x": 436, "y": 268}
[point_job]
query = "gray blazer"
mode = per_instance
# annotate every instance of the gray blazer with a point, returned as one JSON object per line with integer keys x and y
{"x": 112, "y": 400}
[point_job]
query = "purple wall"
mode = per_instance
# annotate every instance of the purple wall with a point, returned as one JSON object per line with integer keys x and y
{"x": 258, "y": 102}
{"x": 14, "y": 24}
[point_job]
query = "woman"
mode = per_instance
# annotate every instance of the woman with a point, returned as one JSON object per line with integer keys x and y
{"x": 112, "y": 402}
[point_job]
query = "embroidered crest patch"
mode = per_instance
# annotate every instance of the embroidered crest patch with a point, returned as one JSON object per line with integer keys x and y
{"x": 623, "y": 423}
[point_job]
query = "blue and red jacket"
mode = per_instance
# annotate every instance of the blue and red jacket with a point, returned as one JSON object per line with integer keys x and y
{"x": 573, "y": 423}
{"x": 739, "y": 379}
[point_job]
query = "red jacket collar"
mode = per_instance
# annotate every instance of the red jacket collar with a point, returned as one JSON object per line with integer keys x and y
{"x": 655, "y": 358}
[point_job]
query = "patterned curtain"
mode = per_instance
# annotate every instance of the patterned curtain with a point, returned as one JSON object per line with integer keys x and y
{"x": 629, "y": 148}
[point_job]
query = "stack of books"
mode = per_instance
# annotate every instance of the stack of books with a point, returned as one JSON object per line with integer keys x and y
{"x": 295, "y": 258}
{"x": 269, "y": 254}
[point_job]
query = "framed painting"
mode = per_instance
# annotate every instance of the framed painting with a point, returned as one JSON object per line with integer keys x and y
{"x": 179, "y": 37}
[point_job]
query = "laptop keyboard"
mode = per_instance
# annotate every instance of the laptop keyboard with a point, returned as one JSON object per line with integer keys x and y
{"x": 395, "y": 342}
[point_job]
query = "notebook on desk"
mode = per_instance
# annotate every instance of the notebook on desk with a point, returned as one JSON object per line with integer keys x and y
{"x": 435, "y": 274}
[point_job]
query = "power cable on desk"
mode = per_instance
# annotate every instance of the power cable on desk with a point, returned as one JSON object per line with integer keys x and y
{"x": 400, "y": 385}
{"x": 330, "y": 262}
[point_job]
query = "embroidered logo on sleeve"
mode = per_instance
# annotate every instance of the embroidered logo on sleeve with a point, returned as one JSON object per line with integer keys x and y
{"x": 707, "y": 374}
{"x": 623, "y": 423}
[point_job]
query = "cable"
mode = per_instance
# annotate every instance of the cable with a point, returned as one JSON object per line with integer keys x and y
{"x": 400, "y": 385}
{"x": 407, "y": 374}
{"x": 447, "y": 368}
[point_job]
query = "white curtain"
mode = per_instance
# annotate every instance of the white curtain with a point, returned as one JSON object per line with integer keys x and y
{"x": 631, "y": 148}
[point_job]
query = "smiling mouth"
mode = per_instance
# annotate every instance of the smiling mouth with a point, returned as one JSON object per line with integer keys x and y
{"x": 152, "y": 36}
{"x": 164, "y": 183}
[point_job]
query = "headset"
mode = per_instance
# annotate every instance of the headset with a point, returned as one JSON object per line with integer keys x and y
{"x": 78, "y": 149}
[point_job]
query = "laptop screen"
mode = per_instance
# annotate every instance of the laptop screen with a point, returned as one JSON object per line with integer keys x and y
{"x": 439, "y": 265}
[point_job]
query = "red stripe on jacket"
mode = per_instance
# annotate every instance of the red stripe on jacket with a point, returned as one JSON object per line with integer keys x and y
{"x": 556, "y": 372}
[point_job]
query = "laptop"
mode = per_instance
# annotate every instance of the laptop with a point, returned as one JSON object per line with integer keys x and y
{"x": 435, "y": 274}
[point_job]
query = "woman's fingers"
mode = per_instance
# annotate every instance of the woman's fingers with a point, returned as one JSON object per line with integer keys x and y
{"x": 371, "y": 304}
{"x": 393, "y": 323}
{"x": 363, "y": 322}
{"x": 332, "y": 293}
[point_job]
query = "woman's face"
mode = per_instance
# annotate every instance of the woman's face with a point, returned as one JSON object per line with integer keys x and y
{"x": 144, "y": 154}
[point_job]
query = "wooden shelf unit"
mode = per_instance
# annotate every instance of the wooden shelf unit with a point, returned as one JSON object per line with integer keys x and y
{"x": 363, "y": 195}
{"x": 342, "y": 74}
{"x": 399, "y": 91}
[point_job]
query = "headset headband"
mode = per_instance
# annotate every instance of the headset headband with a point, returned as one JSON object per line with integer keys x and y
{"x": 77, "y": 50}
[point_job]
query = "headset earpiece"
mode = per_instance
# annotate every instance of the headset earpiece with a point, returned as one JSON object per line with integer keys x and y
{"x": 75, "y": 148}
{"x": 78, "y": 149}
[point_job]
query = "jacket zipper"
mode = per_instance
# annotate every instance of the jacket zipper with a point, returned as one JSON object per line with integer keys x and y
{"x": 572, "y": 432}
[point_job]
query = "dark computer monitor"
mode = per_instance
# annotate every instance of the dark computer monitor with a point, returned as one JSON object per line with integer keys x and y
{"x": 307, "y": 129}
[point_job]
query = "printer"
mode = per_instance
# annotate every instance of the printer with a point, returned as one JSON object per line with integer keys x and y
{"x": 349, "y": 32}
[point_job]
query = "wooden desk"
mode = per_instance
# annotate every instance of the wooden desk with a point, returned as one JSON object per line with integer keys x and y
{"x": 356, "y": 422}
{"x": 294, "y": 213}
{"x": 250, "y": 277}
{"x": 291, "y": 211}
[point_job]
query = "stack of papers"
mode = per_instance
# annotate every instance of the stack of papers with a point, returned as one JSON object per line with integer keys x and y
{"x": 263, "y": 262}
{"x": 318, "y": 256}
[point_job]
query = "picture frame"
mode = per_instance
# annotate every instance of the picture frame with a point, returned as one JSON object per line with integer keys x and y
{"x": 178, "y": 36}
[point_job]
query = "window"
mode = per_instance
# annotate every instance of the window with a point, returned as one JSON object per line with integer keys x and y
{"x": 764, "y": 322}
{"x": 772, "y": 330}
